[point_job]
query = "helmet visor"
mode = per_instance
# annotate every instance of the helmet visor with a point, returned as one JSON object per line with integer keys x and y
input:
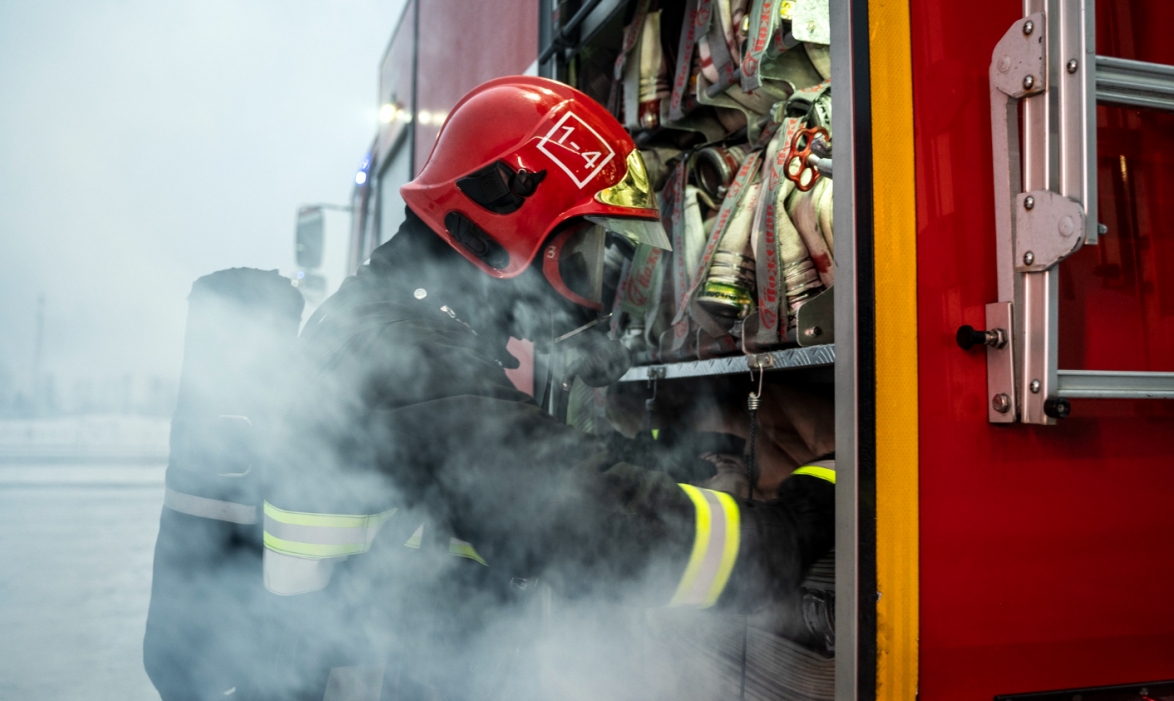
{"x": 649, "y": 232}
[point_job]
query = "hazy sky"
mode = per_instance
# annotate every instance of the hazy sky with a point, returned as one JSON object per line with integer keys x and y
{"x": 146, "y": 143}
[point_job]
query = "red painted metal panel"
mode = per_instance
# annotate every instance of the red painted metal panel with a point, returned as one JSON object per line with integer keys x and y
{"x": 464, "y": 44}
{"x": 1047, "y": 553}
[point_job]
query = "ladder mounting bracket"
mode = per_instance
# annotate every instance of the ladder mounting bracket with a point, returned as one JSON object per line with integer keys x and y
{"x": 1048, "y": 228}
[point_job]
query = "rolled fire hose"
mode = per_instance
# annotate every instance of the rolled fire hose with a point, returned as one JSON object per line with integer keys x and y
{"x": 695, "y": 234}
{"x": 727, "y": 294}
{"x": 719, "y": 46}
{"x": 642, "y": 293}
{"x": 658, "y": 161}
{"x": 764, "y": 21}
{"x": 752, "y": 105}
{"x": 811, "y": 211}
{"x": 748, "y": 174}
{"x": 718, "y": 81}
{"x": 821, "y": 58}
{"x": 684, "y": 67}
{"x": 824, "y": 206}
{"x": 774, "y": 60}
{"x": 654, "y": 77}
{"x": 764, "y": 240}
{"x": 802, "y": 210}
{"x": 645, "y": 79}
{"x": 631, "y": 38}
{"x": 800, "y": 280}
{"x": 689, "y": 238}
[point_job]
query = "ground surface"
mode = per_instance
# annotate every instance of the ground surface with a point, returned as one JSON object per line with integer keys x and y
{"x": 75, "y": 578}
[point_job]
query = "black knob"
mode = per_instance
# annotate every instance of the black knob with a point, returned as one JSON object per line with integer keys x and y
{"x": 1057, "y": 408}
{"x": 969, "y": 337}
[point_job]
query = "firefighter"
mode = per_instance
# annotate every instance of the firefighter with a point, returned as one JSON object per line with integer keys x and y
{"x": 417, "y": 488}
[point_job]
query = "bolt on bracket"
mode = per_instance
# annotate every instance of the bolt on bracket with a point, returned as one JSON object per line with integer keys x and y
{"x": 760, "y": 361}
{"x": 1019, "y": 65}
{"x": 1000, "y": 367}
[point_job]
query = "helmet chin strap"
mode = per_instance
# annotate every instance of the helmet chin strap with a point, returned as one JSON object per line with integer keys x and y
{"x": 551, "y": 343}
{"x": 592, "y": 357}
{"x": 575, "y": 332}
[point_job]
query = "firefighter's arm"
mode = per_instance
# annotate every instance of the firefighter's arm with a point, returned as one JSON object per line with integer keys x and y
{"x": 738, "y": 553}
{"x": 536, "y": 497}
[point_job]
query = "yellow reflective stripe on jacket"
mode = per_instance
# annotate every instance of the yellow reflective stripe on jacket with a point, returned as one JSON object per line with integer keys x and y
{"x": 310, "y": 550}
{"x": 715, "y": 548}
{"x": 456, "y": 546}
{"x": 462, "y": 548}
{"x": 313, "y": 535}
{"x": 822, "y": 473}
{"x": 417, "y": 538}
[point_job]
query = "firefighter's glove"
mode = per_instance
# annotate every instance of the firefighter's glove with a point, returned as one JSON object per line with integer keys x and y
{"x": 731, "y": 474}
{"x": 700, "y": 457}
{"x": 685, "y": 456}
{"x": 594, "y": 358}
{"x": 781, "y": 539}
{"x": 652, "y": 454}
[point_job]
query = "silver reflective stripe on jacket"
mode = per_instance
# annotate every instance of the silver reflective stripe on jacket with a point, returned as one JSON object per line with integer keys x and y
{"x": 209, "y": 508}
{"x": 289, "y": 575}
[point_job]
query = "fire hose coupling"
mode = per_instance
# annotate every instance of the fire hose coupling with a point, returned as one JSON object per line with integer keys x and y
{"x": 969, "y": 337}
{"x": 715, "y": 168}
{"x": 820, "y": 157}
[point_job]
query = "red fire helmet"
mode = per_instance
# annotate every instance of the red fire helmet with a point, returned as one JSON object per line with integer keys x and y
{"x": 519, "y": 156}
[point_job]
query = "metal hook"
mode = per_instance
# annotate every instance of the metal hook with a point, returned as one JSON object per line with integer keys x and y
{"x": 752, "y": 400}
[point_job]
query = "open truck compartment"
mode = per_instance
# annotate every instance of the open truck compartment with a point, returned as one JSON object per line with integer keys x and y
{"x": 732, "y": 332}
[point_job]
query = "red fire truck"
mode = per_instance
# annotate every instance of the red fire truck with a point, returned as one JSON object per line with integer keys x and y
{"x": 994, "y": 322}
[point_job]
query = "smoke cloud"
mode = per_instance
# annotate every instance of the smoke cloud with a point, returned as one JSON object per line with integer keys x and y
{"x": 143, "y": 145}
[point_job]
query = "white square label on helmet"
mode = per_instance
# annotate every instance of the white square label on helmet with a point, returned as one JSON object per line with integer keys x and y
{"x": 576, "y": 148}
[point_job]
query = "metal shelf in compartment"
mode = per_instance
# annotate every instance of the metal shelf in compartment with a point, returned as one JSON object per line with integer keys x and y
{"x": 788, "y": 359}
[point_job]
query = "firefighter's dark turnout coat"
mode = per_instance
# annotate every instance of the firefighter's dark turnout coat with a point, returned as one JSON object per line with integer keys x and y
{"x": 417, "y": 492}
